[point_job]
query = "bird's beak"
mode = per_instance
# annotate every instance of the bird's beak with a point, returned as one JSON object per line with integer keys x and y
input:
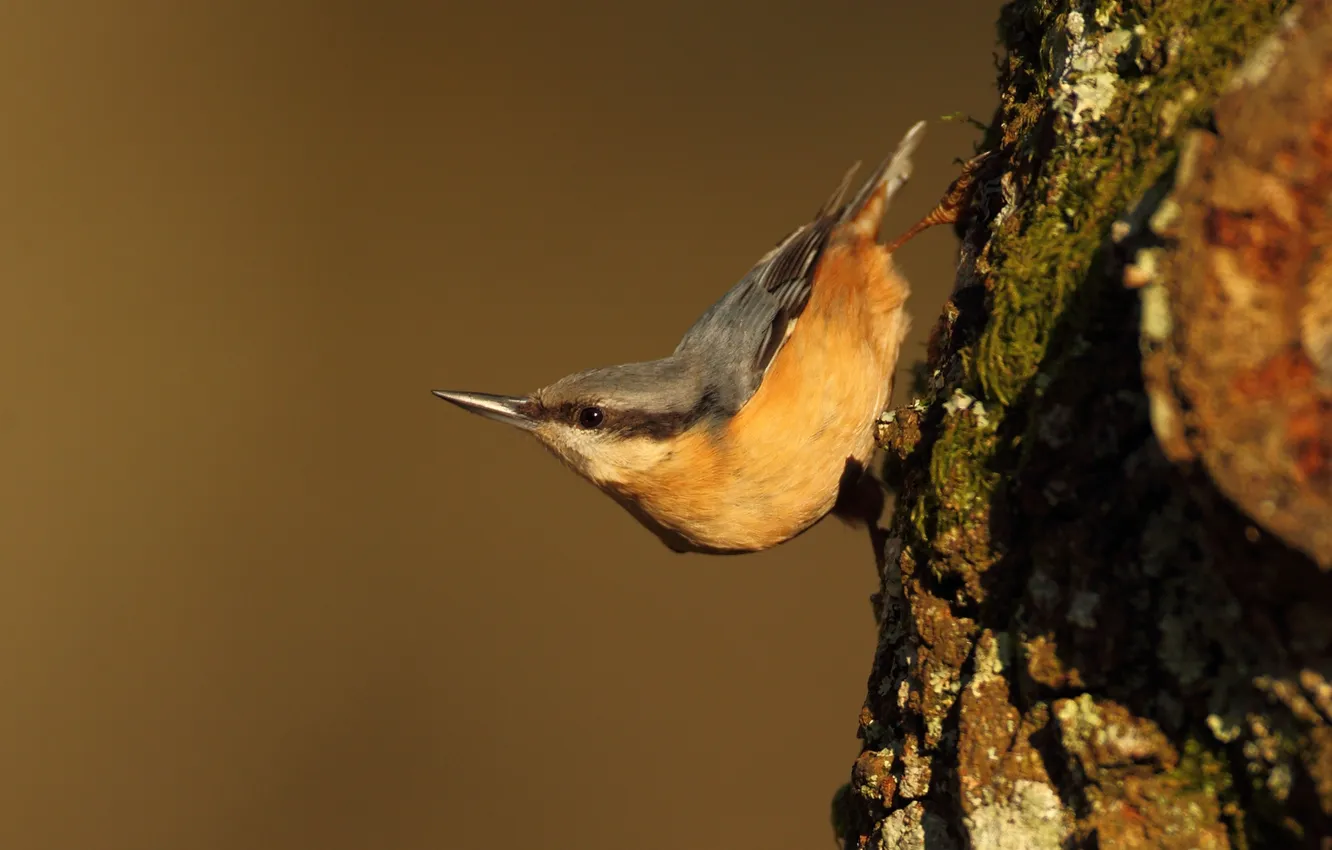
{"x": 511, "y": 410}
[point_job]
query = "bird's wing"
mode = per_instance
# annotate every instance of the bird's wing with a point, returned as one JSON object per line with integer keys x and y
{"x": 737, "y": 339}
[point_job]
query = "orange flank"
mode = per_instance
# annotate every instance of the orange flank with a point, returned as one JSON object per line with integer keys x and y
{"x": 776, "y": 470}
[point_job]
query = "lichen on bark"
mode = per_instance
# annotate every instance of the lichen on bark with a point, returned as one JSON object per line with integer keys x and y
{"x": 1080, "y": 644}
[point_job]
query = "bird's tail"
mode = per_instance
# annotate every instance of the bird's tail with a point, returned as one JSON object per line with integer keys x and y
{"x": 864, "y": 213}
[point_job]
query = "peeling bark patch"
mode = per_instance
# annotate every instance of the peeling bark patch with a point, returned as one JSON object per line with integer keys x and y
{"x": 1046, "y": 668}
{"x": 1247, "y": 261}
{"x": 1289, "y": 378}
{"x": 988, "y": 724}
{"x": 945, "y": 646}
{"x": 1000, "y": 773}
{"x": 1128, "y": 766}
{"x": 1102, "y": 735}
{"x": 872, "y": 777}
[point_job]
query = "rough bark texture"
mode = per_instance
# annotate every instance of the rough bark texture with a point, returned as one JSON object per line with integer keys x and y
{"x": 1094, "y": 633}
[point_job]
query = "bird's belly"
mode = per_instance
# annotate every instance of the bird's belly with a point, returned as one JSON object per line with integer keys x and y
{"x": 778, "y": 467}
{"x": 751, "y": 511}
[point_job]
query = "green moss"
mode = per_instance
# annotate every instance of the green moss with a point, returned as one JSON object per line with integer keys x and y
{"x": 962, "y": 484}
{"x": 1044, "y": 261}
{"x": 1047, "y": 251}
{"x": 1201, "y": 769}
{"x": 1205, "y": 770}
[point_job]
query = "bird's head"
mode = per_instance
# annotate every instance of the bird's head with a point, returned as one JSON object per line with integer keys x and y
{"x": 611, "y": 425}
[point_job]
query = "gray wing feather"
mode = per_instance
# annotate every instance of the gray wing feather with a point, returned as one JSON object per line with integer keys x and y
{"x": 734, "y": 342}
{"x": 737, "y": 338}
{"x": 893, "y": 172}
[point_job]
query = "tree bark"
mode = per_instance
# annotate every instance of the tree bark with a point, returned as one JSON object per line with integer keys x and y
{"x": 1105, "y": 617}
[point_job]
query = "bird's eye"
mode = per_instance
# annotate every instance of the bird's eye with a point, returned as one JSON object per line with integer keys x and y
{"x": 590, "y": 417}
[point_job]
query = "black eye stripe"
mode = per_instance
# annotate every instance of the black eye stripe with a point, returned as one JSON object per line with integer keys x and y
{"x": 632, "y": 423}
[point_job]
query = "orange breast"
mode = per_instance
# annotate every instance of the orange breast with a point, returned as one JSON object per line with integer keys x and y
{"x": 776, "y": 468}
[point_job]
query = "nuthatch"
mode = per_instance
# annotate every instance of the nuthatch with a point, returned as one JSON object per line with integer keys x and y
{"x": 745, "y": 436}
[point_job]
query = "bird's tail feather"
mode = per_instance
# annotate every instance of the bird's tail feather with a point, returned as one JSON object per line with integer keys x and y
{"x": 864, "y": 213}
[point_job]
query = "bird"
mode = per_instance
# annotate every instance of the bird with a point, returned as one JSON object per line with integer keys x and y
{"x": 763, "y": 418}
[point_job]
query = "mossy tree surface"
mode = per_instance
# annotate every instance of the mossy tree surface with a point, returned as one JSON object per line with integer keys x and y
{"x": 1080, "y": 644}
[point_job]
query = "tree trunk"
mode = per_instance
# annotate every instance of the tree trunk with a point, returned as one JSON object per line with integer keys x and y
{"x": 1106, "y": 608}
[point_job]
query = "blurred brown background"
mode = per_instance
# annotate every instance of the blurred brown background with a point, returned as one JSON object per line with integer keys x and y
{"x": 259, "y": 588}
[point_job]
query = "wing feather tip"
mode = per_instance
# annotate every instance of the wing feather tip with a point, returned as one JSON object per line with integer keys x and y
{"x": 864, "y": 214}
